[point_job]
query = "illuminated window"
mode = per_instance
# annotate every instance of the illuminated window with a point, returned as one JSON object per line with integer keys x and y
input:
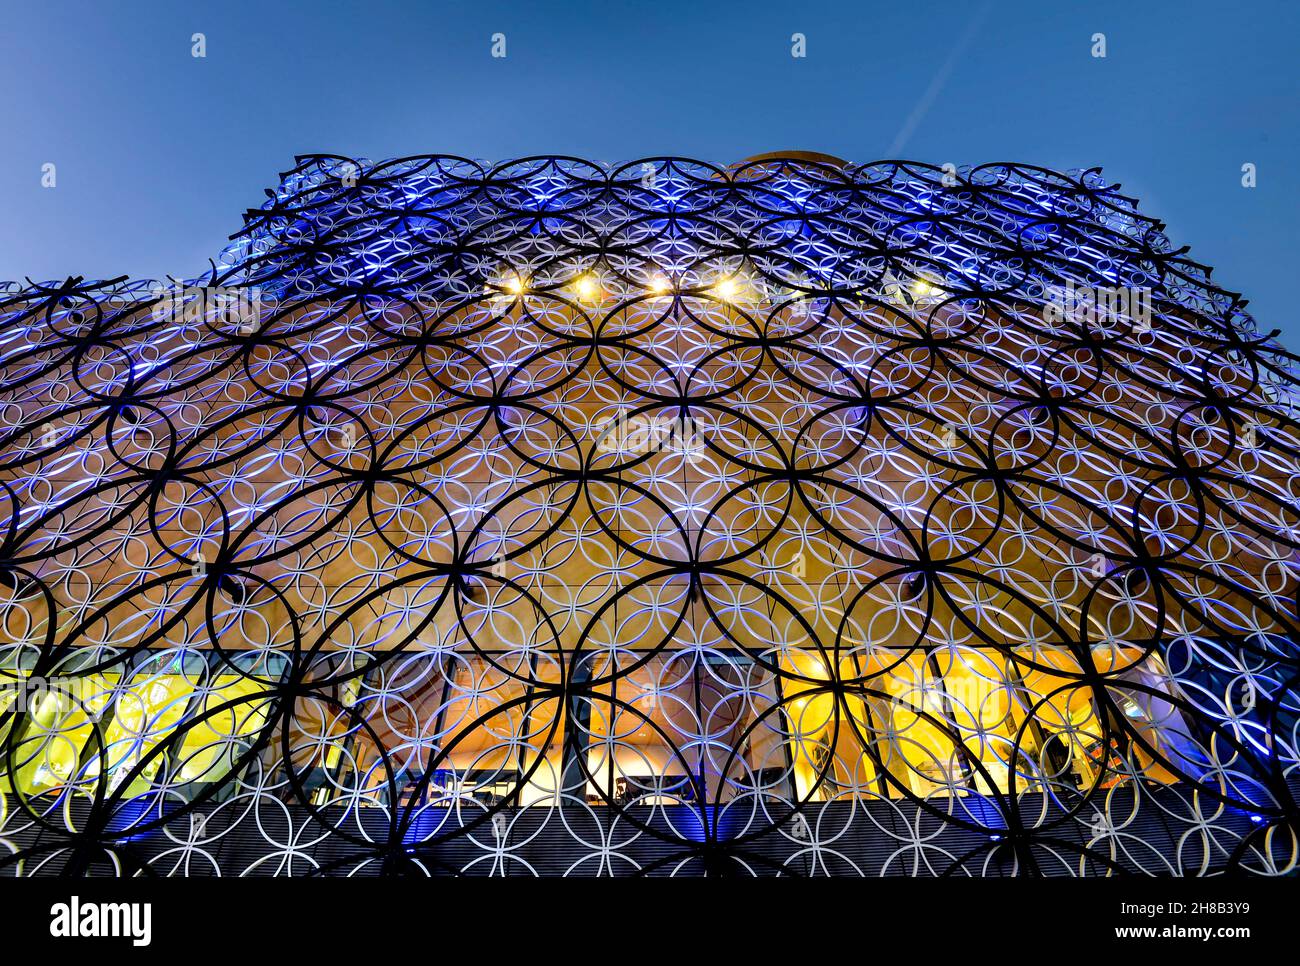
{"x": 431, "y": 731}
{"x": 1088, "y": 750}
{"x": 1063, "y": 709}
{"x": 829, "y": 738}
{"x": 12, "y": 687}
{"x": 312, "y": 761}
{"x": 978, "y": 700}
{"x": 677, "y": 729}
{"x": 227, "y": 713}
{"x": 680, "y": 728}
{"x": 48, "y": 739}
{"x": 140, "y": 717}
{"x": 955, "y": 719}
{"x": 158, "y": 722}
{"x": 923, "y": 751}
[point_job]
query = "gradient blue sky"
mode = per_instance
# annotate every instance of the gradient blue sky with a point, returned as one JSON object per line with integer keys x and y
{"x": 158, "y": 153}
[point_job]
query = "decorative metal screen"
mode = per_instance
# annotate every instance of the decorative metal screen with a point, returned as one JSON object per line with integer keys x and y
{"x": 664, "y": 518}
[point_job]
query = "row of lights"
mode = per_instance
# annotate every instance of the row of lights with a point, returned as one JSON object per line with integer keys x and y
{"x": 588, "y": 288}
{"x": 730, "y": 288}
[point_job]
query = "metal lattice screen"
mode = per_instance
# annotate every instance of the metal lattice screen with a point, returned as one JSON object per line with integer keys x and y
{"x": 551, "y": 518}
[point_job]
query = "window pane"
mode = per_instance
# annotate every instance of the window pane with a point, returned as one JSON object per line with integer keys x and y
{"x": 829, "y": 738}
{"x": 59, "y": 724}
{"x": 681, "y": 728}
{"x": 216, "y": 736}
{"x": 143, "y": 715}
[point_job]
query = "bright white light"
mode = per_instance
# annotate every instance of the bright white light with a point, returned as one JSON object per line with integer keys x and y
{"x": 587, "y": 287}
{"x": 727, "y": 289}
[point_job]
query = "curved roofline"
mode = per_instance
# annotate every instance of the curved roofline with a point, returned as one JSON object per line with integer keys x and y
{"x": 816, "y": 156}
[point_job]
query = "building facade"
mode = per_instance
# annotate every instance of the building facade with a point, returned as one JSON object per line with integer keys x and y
{"x": 552, "y": 518}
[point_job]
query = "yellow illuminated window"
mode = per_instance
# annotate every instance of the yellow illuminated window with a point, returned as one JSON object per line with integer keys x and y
{"x": 954, "y": 719}
{"x": 829, "y": 738}
{"x": 12, "y": 684}
{"x": 1063, "y": 709}
{"x": 1078, "y": 744}
{"x": 921, "y": 752}
{"x": 60, "y": 722}
{"x": 218, "y": 735}
{"x": 143, "y": 715}
{"x": 980, "y": 702}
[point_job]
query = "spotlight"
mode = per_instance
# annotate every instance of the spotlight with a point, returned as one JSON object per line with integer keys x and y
{"x": 727, "y": 289}
{"x": 588, "y": 288}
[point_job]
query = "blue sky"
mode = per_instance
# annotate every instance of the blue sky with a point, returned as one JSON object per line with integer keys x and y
{"x": 157, "y": 153}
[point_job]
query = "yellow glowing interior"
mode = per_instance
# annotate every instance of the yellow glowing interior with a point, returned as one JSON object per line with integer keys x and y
{"x": 945, "y": 721}
{"x": 143, "y": 715}
{"x": 213, "y": 743}
{"x": 59, "y": 725}
{"x": 587, "y": 287}
{"x": 955, "y": 719}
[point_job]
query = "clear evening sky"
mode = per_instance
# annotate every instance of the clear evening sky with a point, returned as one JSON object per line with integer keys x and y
{"x": 157, "y": 152}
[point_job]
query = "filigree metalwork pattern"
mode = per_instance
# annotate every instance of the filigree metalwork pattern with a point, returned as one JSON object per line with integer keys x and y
{"x": 663, "y": 518}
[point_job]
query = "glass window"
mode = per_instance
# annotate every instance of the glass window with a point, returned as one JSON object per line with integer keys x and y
{"x": 1161, "y": 744}
{"x": 162, "y": 713}
{"x": 140, "y": 717}
{"x": 980, "y": 700}
{"x": 829, "y": 738}
{"x": 949, "y": 720}
{"x": 226, "y": 716}
{"x": 676, "y": 729}
{"x": 315, "y": 759}
{"x": 1066, "y": 715}
{"x": 922, "y": 752}
{"x": 439, "y": 731}
{"x": 62, "y": 712}
{"x": 1078, "y": 745}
